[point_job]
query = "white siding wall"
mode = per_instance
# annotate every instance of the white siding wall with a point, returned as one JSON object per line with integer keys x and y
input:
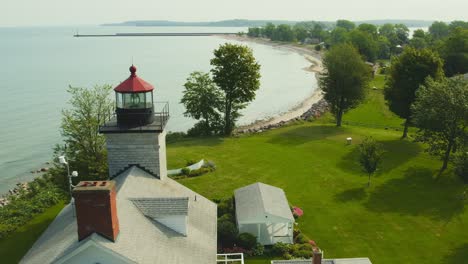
{"x": 177, "y": 223}
{"x": 269, "y": 233}
{"x": 145, "y": 149}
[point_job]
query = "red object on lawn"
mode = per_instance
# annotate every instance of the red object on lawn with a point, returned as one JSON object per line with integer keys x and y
{"x": 297, "y": 211}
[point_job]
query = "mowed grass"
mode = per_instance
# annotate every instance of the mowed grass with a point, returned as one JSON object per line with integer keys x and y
{"x": 407, "y": 214}
{"x": 14, "y": 246}
{"x": 374, "y": 112}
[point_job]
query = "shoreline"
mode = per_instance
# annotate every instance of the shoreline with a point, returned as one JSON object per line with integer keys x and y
{"x": 307, "y": 105}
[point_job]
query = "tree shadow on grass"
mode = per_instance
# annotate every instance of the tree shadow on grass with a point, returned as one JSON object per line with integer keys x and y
{"x": 304, "y": 134}
{"x": 418, "y": 193}
{"x": 458, "y": 255}
{"x": 355, "y": 194}
{"x": 397, "y": 153}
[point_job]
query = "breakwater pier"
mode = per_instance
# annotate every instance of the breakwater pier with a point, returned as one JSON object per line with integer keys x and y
{"x": 191, "y": 34}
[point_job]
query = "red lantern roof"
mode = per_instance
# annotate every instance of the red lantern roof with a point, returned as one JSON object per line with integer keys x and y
{"x": 134, "y": 84}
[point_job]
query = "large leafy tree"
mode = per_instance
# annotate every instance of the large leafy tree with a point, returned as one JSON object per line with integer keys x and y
{"x": 345, "y": 78}
{"x": 365, "y": 43}
{"x": 454, "y": 51}
{"x": 237, "y": 74}
{"x": 441, "y": 114}
{"x": 84, "y": 147}
{"x": 346, "y": 24}
{"x": 202, "y": 100}
{"x": 407, "y": 72}
{"x": 438, "y": 30}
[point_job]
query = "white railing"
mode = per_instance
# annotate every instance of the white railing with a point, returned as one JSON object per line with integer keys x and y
{"x": 230, "y": 258}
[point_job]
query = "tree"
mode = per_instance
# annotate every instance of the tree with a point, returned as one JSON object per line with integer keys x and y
{"x": 84, "y": 147}
{"x": 456, "y": 24}
{"x": 438, "y": 30}
{"x": 237, "y": 74}
{"x": 441, "y": 114}
{"x": 268, "y": 30}
{"x": 402, "y": 33}
{"x": 339, "y": 35}
{"x": 369, "y": 28}
{"x": 300, "y": 32}
{"x": 365, "y": 44}
{"x": 370, "y": 156}
{"x": 344, "y": 80}
{"x": 202, "y": 99}
{"x": 283, "y": 32}
{"x": 384, "y": 47}
{"x": 407, "y": 72}
{"x": 346, "y": 24}
{"x": 390, "y": 32}
{"x": 253, "y": 32}
{"x": 454, "y": 51}
{"x": 418, "y": 43}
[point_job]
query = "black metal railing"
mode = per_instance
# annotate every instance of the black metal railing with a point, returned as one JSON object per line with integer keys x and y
{"x": 160, "y": 114}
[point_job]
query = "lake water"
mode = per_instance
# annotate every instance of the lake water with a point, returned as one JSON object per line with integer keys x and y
{"x": 38, "y": 64}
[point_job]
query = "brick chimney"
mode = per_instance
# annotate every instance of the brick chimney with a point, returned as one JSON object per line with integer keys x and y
{"x": 317, "y": 256}
{"x": 96, "y": 209}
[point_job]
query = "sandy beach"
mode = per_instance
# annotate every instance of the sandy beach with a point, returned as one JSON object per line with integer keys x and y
{"x": 316, "y": 66}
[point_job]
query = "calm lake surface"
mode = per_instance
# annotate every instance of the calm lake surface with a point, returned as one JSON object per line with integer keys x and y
{"x": 38, "y": 64}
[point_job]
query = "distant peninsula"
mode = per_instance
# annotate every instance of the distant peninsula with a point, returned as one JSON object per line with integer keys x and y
{"x": 256, "y": 23}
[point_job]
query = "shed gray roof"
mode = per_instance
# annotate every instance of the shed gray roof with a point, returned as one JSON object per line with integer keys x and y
{"x": 140, "y": 239}
{"x": 325, "y": 261}
{"x": 257, "y": 200}
{"x": 156, "y": 207}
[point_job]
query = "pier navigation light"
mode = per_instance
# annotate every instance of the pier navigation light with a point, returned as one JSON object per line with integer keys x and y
{"x": 134, "y": 101}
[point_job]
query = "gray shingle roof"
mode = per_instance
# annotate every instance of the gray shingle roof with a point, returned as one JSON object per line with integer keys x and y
{"x": 325, "y": 261}
{"x": 256, "y": 200}
{"x": 156, "y": 207}
{"x": 139, "y": 240}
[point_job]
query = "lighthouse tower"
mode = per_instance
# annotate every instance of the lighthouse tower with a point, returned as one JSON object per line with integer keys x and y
{"x": 135, "y": 135}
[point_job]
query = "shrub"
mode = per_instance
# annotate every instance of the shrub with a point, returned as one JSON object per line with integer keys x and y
{"x": 258, "y": 250}
{"x": 27, "y": 204}
{"x": 318, "y": 47}
{"x": 301, "y": 239}
{"x": 303, "y": 254}
{"x": 226, "y": 206}
{"x": 280, "y": 248}
{"x": 185, "y": 171}
{"x": 226, "y": 217}
{"x": 175, "y": 136}
{"x": 227, "y": 233}
{"x": 246, "y": 240}
{"x": 190, "y": 162}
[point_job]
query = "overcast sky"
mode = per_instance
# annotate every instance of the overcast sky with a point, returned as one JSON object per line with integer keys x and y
{"x": 91, "y": 12}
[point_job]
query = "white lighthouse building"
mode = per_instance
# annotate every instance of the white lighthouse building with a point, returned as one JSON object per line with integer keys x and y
{"x": 140, "y": 215}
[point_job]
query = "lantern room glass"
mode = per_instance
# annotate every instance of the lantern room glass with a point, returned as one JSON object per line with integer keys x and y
{"x": 134, "y": 100}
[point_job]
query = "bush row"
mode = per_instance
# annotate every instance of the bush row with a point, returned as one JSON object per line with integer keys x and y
{"x": 41, "y": 194}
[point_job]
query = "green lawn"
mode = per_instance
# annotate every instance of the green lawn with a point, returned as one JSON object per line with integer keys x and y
{"x": 373, "y": 112}
{"x": 13, "y": 247}
{"x": 406, "y": 214}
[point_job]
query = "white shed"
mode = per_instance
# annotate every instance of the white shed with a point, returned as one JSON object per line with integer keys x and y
{"x": 263, "y": 211}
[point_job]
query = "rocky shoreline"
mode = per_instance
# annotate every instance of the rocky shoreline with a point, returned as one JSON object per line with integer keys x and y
{"x": 312, "y": 107}
{"x": 317, "y": 110}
